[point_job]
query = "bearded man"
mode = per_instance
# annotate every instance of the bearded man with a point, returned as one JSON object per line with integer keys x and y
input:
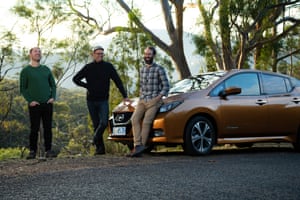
{"x": 154, "y": 85}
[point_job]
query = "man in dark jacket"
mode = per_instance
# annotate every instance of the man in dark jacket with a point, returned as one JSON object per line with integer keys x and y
{"x": 97, "y": 75}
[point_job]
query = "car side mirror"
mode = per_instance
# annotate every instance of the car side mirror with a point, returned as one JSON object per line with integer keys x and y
{"x": 230, "y": 91}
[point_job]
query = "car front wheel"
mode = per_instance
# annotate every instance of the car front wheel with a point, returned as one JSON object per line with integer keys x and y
{"x": 199, "y": 136}
{"x": 297, "y": 143}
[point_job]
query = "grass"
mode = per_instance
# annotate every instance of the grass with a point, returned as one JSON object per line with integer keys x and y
{"x": 12, "y": 153}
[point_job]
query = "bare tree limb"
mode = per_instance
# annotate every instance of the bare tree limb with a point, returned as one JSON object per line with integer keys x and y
{"x": 287, "y": 55}
{"x": 142, "y": 26}
{"x": 87, "y": 18}
{"x": 254, "y": 43}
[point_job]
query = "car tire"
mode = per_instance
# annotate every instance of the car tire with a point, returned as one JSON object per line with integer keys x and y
{"x": 297, "y": 143}
{"x": 200, "y": 136}
{"x": 244, "y": 145}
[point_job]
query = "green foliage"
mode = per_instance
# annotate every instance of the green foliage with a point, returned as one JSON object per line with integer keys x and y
{"x": 116, "y": 148}
{"x": 203, "y": 50}
{"x": 254, "y": 29}
{"x": 11, "y": 153}
{"x": 7, "y": 53}
{"x": 23, "y": 11}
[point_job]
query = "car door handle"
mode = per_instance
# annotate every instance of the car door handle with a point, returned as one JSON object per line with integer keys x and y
{"x": 296, "y": 100}
{"x": 261, "y": 102}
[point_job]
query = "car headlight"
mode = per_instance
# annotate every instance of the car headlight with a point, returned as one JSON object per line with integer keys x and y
{"x": 169, "y": 106}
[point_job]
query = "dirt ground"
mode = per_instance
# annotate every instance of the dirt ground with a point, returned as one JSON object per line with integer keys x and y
{"x": 17, "y": 167}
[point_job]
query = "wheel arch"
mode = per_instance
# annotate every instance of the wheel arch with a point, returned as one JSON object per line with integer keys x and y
{"x": 206, "y": 115}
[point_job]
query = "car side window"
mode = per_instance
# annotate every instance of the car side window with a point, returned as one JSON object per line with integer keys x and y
{"x": 275, "y": 84}
{"x": 248, "y": 82}
{"x": 215, "y": 92}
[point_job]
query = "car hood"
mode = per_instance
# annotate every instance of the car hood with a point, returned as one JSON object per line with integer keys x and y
{"x": 126, "y": 107}
{"x": 130, "y": 107}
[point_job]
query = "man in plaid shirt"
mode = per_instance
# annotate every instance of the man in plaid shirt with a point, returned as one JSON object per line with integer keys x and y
{"x": 154, "y": 85}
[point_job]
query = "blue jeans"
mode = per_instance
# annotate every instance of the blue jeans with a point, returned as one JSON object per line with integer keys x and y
{"x": 99, "y": 114}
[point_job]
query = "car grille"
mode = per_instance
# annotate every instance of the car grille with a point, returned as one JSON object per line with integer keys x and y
{"x": 121, "y": 118}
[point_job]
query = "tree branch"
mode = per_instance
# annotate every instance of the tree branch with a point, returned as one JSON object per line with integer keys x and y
{"x": 136, "y": 20}
{"x": 87, "y": 18}
{"x": 168, "y": 16}
{"x": 272, "y": 39}
{"x": 265, "y": 10}
{"x": 287, "y": 55}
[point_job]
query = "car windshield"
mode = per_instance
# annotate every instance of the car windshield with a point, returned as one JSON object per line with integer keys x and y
{"x": 198, "y": 82}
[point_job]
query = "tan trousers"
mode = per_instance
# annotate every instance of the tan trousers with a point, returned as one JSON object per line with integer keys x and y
{"x": 142, "y": 120}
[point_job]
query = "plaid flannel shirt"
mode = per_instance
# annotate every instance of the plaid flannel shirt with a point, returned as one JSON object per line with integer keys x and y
{"x": 153, "y": 82}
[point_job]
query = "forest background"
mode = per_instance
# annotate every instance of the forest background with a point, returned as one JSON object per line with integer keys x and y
{"x": 227, "y": 34}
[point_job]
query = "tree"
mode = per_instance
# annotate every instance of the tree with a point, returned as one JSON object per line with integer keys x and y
{"x": 174, "y": 29}
{"x": 45, "y": 19}
{"x": 13, "y": 129}
{"x": 7, "y": 53}
{"x": 243, "y": 29}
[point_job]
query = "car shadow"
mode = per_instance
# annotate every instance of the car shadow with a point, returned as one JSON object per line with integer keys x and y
{"x": 260, "y": 148}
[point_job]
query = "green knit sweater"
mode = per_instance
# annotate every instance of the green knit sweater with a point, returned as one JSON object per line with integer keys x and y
{"x": 37, "y": 84}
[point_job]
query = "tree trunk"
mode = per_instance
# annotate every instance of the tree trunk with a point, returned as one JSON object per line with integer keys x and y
{"x": 175, "y": 50}
{"x": 274, "y": 52}
{"x": 225, "y": 35}
{"x": 241, "y": 56}
{"x": 208, "y": 35}
{"x": 257, "y": 52}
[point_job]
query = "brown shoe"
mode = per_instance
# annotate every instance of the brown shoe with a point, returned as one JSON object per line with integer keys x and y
{"x": 137, "y": 151}
{"x": 50, "y": 154}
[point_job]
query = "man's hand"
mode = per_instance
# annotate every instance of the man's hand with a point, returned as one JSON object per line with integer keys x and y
{"x": 159, "y": 97}
{"x": 126, "y": 101}
{"x": 50, "y": 100}
{"x": 34, "y": 103}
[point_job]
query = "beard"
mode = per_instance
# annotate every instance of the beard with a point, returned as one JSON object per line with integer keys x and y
{"x": 148, "y": 60}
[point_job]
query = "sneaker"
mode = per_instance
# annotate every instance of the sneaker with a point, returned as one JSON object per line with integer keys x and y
{"x": 137, "y": 151}
{"x": 99, "y": 151}
{"x": 50, "y": 154}
{"x": 31, "y": 155}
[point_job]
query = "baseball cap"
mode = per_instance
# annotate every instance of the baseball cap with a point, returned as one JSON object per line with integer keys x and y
{"x": 98, "y": 48}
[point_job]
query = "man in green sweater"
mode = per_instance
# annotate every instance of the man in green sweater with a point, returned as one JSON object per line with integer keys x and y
{"x": 38, "y": 87}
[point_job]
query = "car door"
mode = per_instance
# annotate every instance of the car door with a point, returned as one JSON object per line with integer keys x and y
{"x": 284, "y": 111}
{"x": 245, "y": 114}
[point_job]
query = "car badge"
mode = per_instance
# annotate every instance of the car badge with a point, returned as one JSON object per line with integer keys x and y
{"x": 119, "y": 117}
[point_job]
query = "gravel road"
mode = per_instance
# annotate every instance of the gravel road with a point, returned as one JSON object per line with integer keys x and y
{"x": 257, "y": 173}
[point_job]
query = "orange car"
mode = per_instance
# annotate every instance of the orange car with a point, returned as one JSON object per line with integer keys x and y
{"x": 239, "y": 107}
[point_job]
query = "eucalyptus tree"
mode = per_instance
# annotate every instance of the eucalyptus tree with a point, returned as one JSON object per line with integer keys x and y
{"x": 237, "y": 30}
{"x": 13, "y": 115}
{"x": 64, "y": 40}
{"x": 172, "y": 12}
{"x": 7, "y": 53}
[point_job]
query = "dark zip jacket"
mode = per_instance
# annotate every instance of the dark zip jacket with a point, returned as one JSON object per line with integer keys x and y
{"x": 97, "y": 80}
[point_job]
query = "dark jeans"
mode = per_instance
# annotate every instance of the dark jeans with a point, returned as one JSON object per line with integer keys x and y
{"x": 99, "y": 114}
{"x": 37, "y": 113}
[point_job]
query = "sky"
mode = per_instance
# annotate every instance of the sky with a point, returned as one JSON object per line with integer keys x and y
{"x": 152, "y": 16}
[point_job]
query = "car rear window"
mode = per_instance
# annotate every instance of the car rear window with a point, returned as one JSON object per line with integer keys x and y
{"x": 275, "y": 84}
